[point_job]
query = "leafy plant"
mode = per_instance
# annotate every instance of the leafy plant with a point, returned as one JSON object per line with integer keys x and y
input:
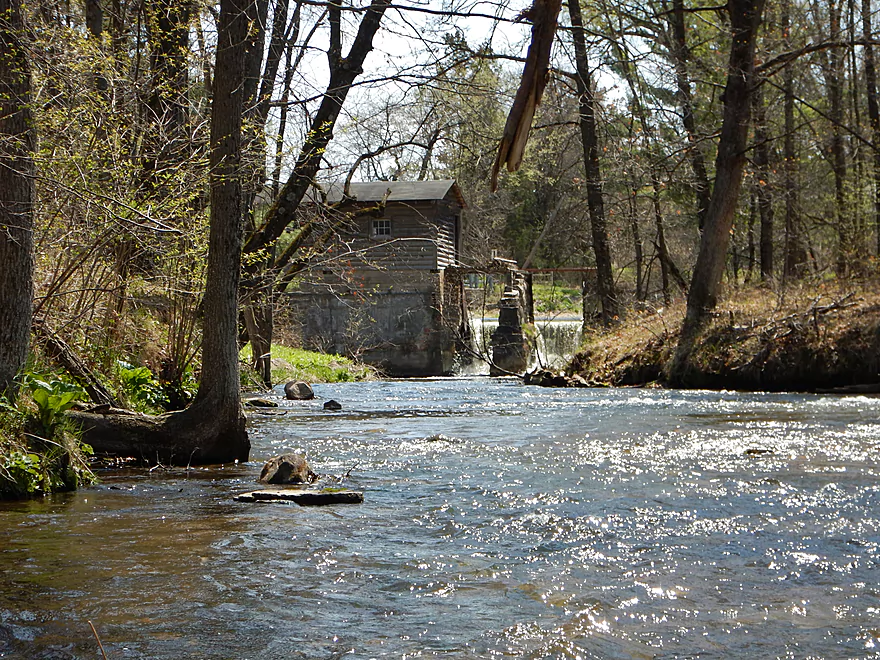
{"x": 21, "y": 473}
{"x": 39, "y": 451}
{"x": 53, "y": 398}
{"x": 141, "y": 387}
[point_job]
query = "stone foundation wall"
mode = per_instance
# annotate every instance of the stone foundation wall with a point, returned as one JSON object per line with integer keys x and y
{"x": 399, "y": 332}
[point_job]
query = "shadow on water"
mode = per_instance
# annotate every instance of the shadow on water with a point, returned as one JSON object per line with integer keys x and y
{"x": 499, "y": 520}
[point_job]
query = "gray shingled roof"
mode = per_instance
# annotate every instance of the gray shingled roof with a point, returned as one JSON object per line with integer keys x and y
{"x": 400, "y": 191}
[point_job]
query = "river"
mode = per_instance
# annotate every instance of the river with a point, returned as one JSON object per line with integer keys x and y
{"x": 500, "y": 520}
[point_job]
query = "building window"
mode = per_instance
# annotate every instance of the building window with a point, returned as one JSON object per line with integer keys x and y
{"x": 381, "y": 228}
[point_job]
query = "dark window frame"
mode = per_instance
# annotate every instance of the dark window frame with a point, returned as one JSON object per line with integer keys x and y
{"x": 380, "y": 228}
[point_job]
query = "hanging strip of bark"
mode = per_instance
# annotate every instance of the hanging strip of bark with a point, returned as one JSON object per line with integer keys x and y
{"x": 543, "y": 15}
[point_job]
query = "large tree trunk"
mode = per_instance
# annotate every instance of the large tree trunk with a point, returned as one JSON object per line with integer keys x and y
{"x": 745, "y": 18}
{"x": 17, "y": 144}
{"x": 590, "y": 139}
{"x": 212, "y": 429}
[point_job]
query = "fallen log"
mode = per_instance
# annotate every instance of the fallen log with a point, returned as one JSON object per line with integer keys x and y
{"x": 57, "y": 349}
{"x": 207, "y": 432}
{"x": 303, "y": 497}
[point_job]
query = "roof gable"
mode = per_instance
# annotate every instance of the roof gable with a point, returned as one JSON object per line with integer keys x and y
{"x": 396, "y": 191}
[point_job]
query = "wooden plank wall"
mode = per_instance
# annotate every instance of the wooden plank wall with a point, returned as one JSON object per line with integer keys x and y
{"x": 422, "y": 239}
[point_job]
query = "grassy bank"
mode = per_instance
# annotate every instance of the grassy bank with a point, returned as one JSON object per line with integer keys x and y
{"x": 297, "y": 364}
{"x": 804, "y": 339}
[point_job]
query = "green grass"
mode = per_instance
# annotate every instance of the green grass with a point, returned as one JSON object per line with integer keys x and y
{"x": 558, "y": 299}
{"x": 298, "y": 364}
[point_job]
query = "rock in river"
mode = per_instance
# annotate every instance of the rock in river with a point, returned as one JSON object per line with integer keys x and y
{"x": 332, "y": 404}
{"x": 298, "y": 390}
{"x": 287, "y": 469}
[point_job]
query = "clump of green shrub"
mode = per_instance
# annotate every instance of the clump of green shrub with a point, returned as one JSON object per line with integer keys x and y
{"x": 144, "y": 392}
{"x": 40, "y": 451}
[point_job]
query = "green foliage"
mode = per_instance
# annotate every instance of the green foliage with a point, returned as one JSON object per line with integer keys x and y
{"x": 39, "y": 450}
{"x": 556, "y": 299}
{"x": 141, "y": 388}
{"x": 53, "y": 398}
{"x": 20, "y": 473}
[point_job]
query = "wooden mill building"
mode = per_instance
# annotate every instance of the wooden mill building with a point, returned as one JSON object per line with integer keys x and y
{"x": 381, "y": 292}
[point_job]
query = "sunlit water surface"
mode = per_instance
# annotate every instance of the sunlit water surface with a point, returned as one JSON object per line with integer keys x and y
{"x": 500, "y": 520}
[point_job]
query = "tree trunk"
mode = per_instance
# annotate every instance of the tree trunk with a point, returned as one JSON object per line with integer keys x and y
{"x": 873, "y": 109}
{"x": 795, "y": 254}
{"x": 745, "y": 18}
{"x": 18, "y": 142}
{"x": 57, "y": 349}
{"x": 834, "y": 80}
{"x": 95, "y": 24}
{"x": 660, "y": 243}
{"x": 641, "y": 293}
{"x": 289, "y": 67}
{"x": 168, "y": 102}
{"x": 212, "y": 429}
{"x": 258, "y": 93}
{"x": 259, "y": 325}
{"x": 590, "y": 139}
{"x": 763, "y": 187}
{"x": 681, "y": 57}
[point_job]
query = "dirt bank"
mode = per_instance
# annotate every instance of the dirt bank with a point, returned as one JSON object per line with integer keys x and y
{"x": 813, "y": 339}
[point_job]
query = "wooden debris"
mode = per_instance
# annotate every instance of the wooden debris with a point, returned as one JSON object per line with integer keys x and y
{"x": 303, "y": 497}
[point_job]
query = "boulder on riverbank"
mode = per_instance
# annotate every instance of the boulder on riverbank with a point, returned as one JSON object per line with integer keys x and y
{"x": 298, "y": 390}
{"x": 287, "y": 469}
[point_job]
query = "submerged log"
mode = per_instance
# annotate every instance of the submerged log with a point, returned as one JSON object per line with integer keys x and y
{"x": 306, "y": 497}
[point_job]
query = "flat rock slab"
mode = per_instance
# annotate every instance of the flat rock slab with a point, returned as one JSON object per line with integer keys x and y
{"x": 303, "y": 497}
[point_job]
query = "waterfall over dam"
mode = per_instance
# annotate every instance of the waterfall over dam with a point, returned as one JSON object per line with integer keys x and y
{"x": 554, "y": 342}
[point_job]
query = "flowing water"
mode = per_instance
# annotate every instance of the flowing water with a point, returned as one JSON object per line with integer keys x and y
{"x": 554, "y": 344}
{"x": 499, "y": 520}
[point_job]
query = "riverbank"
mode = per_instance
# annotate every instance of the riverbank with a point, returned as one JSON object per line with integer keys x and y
{"x": 810, "y": 339}
{"x": 298, "y": 364}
